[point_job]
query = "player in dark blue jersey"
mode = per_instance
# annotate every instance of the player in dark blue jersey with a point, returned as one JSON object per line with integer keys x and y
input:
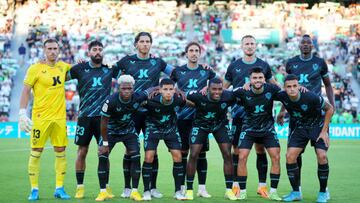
{"x": 210, "y": 117}
{"x": 309, "y": 125}
{"x": 237, "y": 75}
{"x": 94, "y": 85}
{"x": 310, "y": 70}
{"x": 117, "y": 126}
{"x": 258, "y": 127}
{"x": 161, "y": 125}
{"x": 189, "y": 77}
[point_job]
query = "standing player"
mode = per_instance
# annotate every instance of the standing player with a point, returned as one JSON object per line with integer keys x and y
{"x": 192, "y": 77}
{"x": 237, "y": 75}
{"x": 161, "y": 125}
{"x": 94, "y": 85}
{"x": 258, "y": 127}
{"x": 210, "y": 117}
{"x": 309, "y": 125}
{"x": 46, "y": 80}
{"x": 310, "y": 70}
{"x": 146, "y": 71}
{"x": 117, "y": 126}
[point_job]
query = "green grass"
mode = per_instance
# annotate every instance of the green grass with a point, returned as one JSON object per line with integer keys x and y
{"x": 15, "y": 187}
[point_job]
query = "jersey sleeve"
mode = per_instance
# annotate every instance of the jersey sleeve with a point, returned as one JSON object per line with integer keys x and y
{"x": 142, "y": 95}
{"x": 212, "y": 74}
{"x": 275, "y": 91}
{"x": 287, "y": 67}
{"x": 31, "y": 76}
{"x": 268, "y": 74}
{"x": 166, "y": 68}
{"x": 107, "y": 108}
{"x": 193, "y": 96}
{"x": 174, "y": 75}
{"x": 228, "y": 75}
{"x": 74, "y": 72}
{"x": 119, "y": 67}
{"x": 324, "y": 70}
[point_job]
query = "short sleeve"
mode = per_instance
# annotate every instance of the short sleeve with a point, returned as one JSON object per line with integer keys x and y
{"x": 174, "y": 75}
{"x": 287, "y": 67}
{"x": 31, "y": 76}
{"x": 228, "y": 75}
{"x": 107, "y": 108}
{"x": 141, "y": 96}
{"x": 268, "y": 74}
{"x": 212, "y": 74}
{"x": 324, "y": 70}
{"x": 193, "y": 96}
{"x": 73, "y": 73}
{"x": 238, "y": 92}
{"x": 119, "y": 67}
{"x": 166, "y": 68}
{"x": 275, "y": 91}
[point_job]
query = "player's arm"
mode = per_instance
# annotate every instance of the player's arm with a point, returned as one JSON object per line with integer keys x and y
{"x": 329, "y": 110}
{"x": 24, "y": 121}
{"x": 280, "y": 117}
{"x": 329, "y": 91}
{"x": 227, "y": 82}
{"x": 103, "y": 130}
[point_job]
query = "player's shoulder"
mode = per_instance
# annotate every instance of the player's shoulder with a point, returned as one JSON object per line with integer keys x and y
{"x": 259, "y": 61}
{"x": 63, "y": 64}
{"x": 235, "y": 63}
{"x": 316, "y": 58}
{"x": 310, "y": 96}
{"x": 181, "y": 68}
{"x": 227, "y": 94}
{"x": 272, "y": 87}
{"x": 293, "y": 59}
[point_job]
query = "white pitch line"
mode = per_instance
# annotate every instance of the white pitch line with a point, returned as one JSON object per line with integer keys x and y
{"x": 21, "y": 150}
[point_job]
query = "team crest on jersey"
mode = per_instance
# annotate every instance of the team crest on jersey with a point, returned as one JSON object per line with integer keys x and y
{"x": 268, "y": 95}
{"x": 203, "y": 104}
{"x": 202, "y": 73}
{"x": 304, "y": 107}
{"x": 136, "y": 105}
{"x": 176, "y": 108}
{"x": 153, "y": 62}
{"x": 182, "y": 72}
{"x": 315, "y": 66}
{"x": 105, "y": 70}
{"x": 238, "y": 70}
{"x": 295, "y": 66}
{"x": 248, "y": 98}
{"x": 157, "y": 110}
{"x": 87, "y": 70}
{"x": 132, "y": 62}
{"x": 223, "y": 105}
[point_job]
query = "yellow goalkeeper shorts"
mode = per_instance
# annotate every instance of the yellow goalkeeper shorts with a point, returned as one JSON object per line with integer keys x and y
{"x": 42, "y": 130}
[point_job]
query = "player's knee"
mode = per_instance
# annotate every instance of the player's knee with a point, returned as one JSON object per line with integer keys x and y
{"x": 243, "y": 158}
{"x": 290, "y": 158}
{"x": 149, "y": 158}
{"x": 322, "y": 157}
{"x": 177, "y": 157}
{"x": 37, "y": 149}
{"x": 260, "y": 149}
{"x": 275, "y": 158}
{"x": 82, "y": 152}
{"x": 193, "y": 156}
{"x": 59, "y": 149}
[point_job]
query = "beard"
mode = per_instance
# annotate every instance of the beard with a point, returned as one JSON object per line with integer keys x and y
{"x": 96, "y": 60}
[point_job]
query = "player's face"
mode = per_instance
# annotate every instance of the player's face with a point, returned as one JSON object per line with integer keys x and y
{"x": 193, "y": 54}
{"x": 167, "y": 92}
{"x": 144, "y": 45}
{"x": 52, "y": 51}
{"x": 257, "y": 80}
{"x": 215, "y": 90}
{"x": 126, "y": 90}
{"x": 306, "y": 45}
{"x": 292, "y": 88}
{"x": 248, "y": 45}
{"x": 96, "y": 54}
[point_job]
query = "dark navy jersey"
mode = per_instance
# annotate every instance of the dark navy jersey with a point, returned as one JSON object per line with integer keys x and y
{"x": 258, "y": 108}
{"x": 120, "y": 113}
{"x": 146, "y": 72}
{"x": 310, "y": 72}
{"x": 161, "y": 118}
{"x": 94, "y": 85}
{"x": 210, "y": 114}
{"x": 307, "y": 111}
{"x": 190, "y": 80}
{"x": 238, "y": 71}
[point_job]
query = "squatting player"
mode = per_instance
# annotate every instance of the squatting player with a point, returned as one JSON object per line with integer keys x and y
{"x": 309, "y": 125}
{"x": 190, "y": 77}
{"x": 210, "y": 117}
{"x": 46, "y": 80}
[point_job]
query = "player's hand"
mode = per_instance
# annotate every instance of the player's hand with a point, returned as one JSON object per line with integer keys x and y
{"x": 152, "y": 56}
{"x": 324, "y": 136}
{"x": 181, "y": 94}
{"x": 154, "y": 93}
{"x": 103, "y": 150}
{"x": 206, "y": 66}
{"x": 81, "y": 60}
{"x": 203, "y": 91}
{"x": 303, "y": 89}
{"x": 246, "y": 86}
{"x": 280, "y": 118}
{"x": 42, "y": 60}
{"x": 24, "y": 121}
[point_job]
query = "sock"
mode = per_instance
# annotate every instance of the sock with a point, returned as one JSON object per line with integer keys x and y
{"x": 323, "y": 174}
{"x": 293, "y": 172}
{"x": 274, "y": 180}
{"x": 154, "y": 174}
{"x": 60, "y": 168}
{"x": 102, "y": 170}
{"x": 135, "y": 169}
{"x": 299, "y": 163}
{"x": 242, "y": 182}
{"x": 178, "y": 174}
{"x": 202, "y": 168}
{"x": 235, "y": 158}
{"x": 80, "y": 177}
{"x": 146, "y": 174}
{"x": 262, "y": 166}
{"x": 273, "y": 190}
{"x": 184, "y": 163}
{"x": 229, "y": 179}
{"x": 126, "y": 168}
{"x": 34, "y": 168}
{"x": 189, "y": 182}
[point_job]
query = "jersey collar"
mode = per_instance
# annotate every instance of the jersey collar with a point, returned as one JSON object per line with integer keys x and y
{"x": 172, "y": 100}
{"x": 249, "y": 63}
{"x": 301, "y": 58}
{"x": 124, "y": 101}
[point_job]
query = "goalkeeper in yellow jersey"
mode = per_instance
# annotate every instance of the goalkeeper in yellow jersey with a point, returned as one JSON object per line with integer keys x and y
{"x": 46, "y": 80}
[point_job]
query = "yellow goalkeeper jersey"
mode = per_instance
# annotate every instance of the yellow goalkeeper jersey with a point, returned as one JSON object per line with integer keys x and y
{"x": 47, "y": 83}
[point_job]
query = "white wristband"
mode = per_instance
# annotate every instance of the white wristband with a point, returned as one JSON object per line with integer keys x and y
{"x": 105, "y": 143}
{"x": 22, "y": 112}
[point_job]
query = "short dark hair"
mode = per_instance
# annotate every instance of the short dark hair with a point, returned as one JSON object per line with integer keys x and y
{"x": 140, "y": 34}
{"x": 256, "y": 69}
{"x": 306, "y": 36}
{"x": 95, "y": 43}
{"x": 291, "y": 77}
{"x": 247, "y": 36}
{"x": 215, "y": 80}
{"x": 166, "y": 81}
{"x": 191, "y": 44}
{"x": 50, "y": 40}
